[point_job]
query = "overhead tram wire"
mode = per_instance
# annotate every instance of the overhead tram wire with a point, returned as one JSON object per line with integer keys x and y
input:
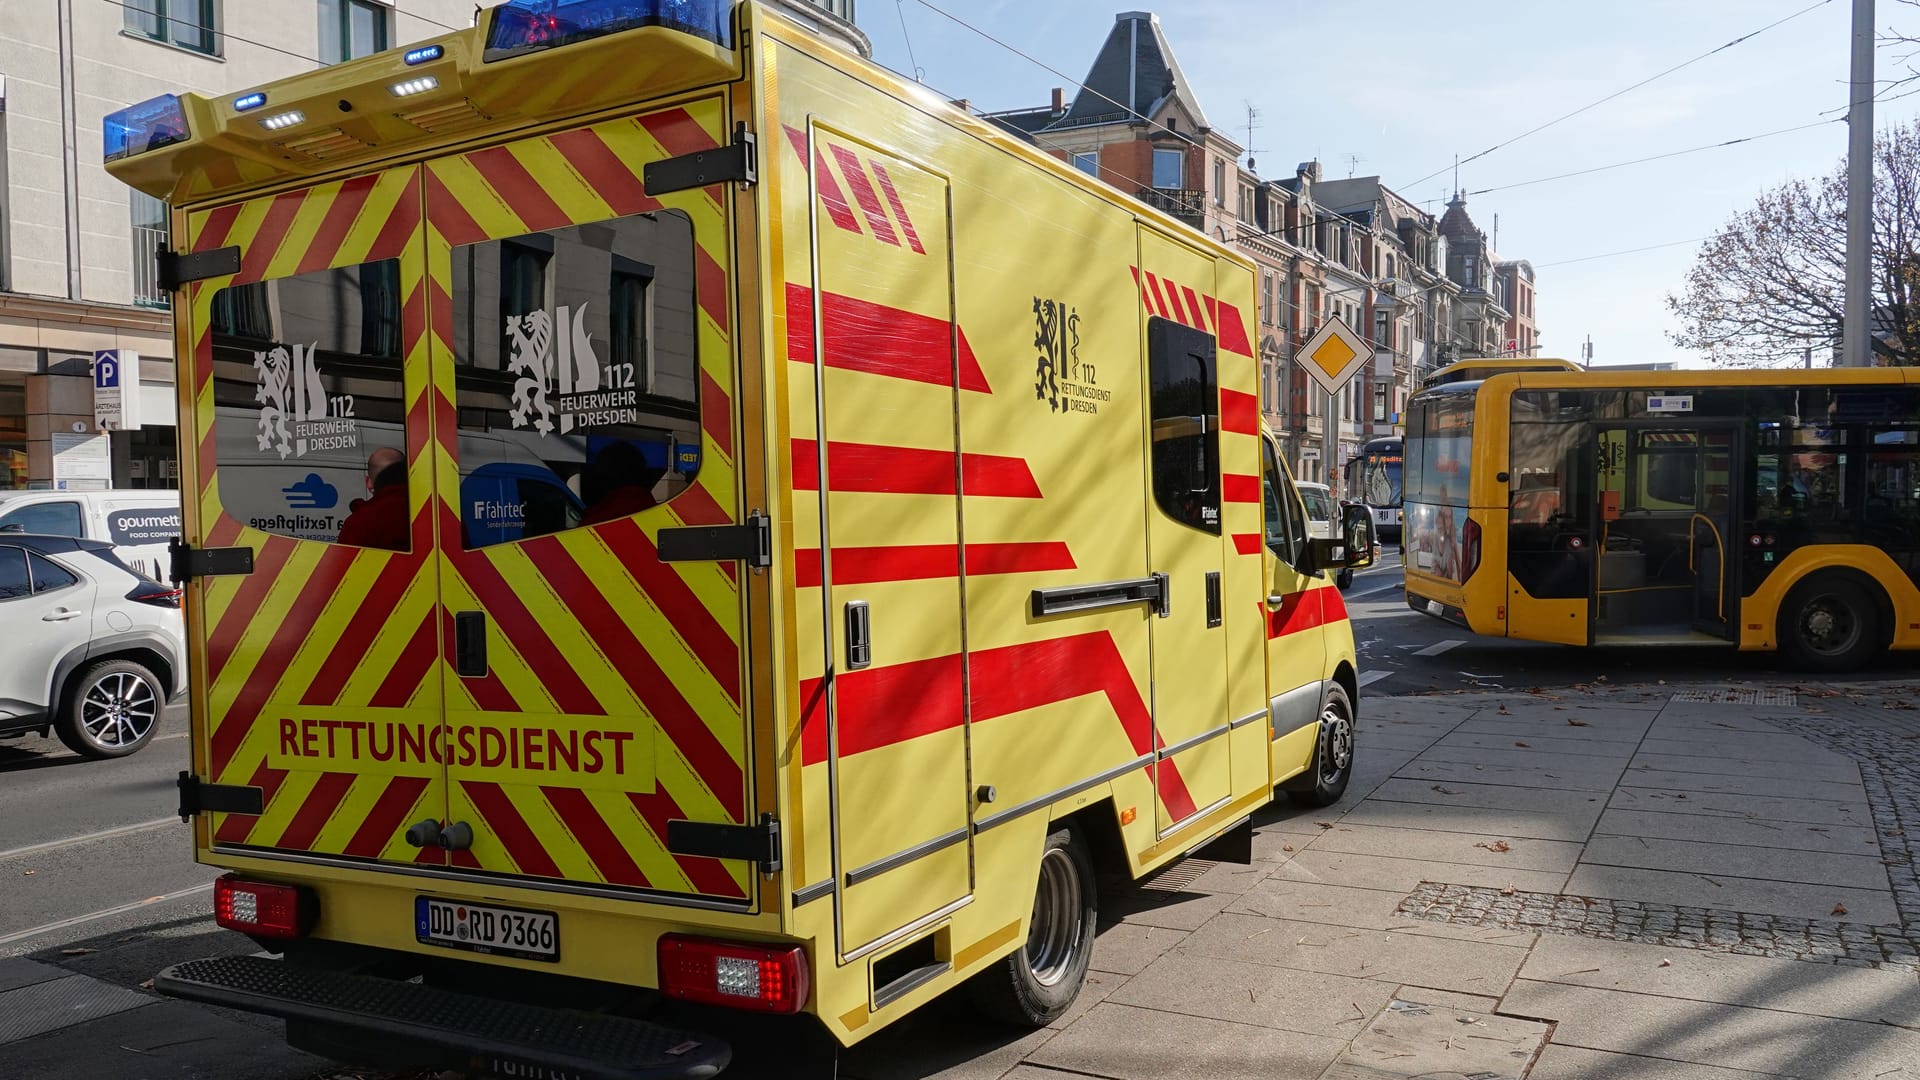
{"x": 1617, "y": 93}
{"x": 1654, "y": 157}
{"x": 217, "y": 32}
{"x": 1615, "y": 254}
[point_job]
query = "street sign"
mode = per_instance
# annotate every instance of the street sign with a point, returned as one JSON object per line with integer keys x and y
{"x": 116, "y": 389}
{"x": 1334, "y": 355}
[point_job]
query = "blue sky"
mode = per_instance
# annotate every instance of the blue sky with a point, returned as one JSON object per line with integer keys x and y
{"x": 1405, "y": 86}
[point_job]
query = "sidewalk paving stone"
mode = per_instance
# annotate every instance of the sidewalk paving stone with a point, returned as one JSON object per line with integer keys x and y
{"x": 1522, "y": 754}
{"x": 1735, "y": 784}
{"x": 1491, "y": 849}
{"x": 1751, "y": 746}
{"x": 1804, "y": 811}
{"x": 1310, "y": 1002}
{"x": 1399, "y": 875}
{"x": 1127, "y": 948}
{"x": 1710, "y": 828}
{"x": 1473, "y": 967}
{"x": 1551, "y": 744}
{"x": 1598, "y": 780}
{"x": 1413, "y": 1040}
{"x": 1717, "y": 860}
{"x": 1556, "y": 723}
{"x": 1841, "y": 771}
{"x": 1574, "y": 805}
{"x": 1558, "y": 1062}
{"x": 1130, "y": 1043}
{"x": 1873, "y": 907}
{"x": 1476, "y": 820}
{"x": 1361, "y": 909}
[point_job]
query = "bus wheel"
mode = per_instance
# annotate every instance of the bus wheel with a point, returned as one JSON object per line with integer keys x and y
{"x": 1034, "y": 986}
{"x": 1830, "y": 623}
{"x": 1332, "y": 753}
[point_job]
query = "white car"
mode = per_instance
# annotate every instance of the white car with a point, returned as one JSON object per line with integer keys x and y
{"x": 137, "y": 522}
{"x": 96, "y": 650}
{"x": 1322, "y": 518}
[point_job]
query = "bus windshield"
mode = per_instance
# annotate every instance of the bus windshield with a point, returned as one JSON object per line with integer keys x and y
{"x": 1380, "y": 477}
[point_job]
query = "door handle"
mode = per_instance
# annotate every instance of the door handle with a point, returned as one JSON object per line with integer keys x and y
{"x": 859, "y": 636}
{"x": 470, "y": 644}
{"x": 1277, "y": 600}
{"x": 1214, "y": 614}
{"x": 61, "y": 615}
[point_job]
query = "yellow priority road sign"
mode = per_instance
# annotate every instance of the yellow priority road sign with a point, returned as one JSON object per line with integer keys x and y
{"x": 1334, "y": 354}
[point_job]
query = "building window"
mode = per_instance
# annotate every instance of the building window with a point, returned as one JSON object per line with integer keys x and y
{"x": 1167, "y": 169}
{"x": 351, "y": 28}
{"x": 1088, "y": 162}
{"x": 1383, "y": 329}
{"x": 1219, "y": 183}
{"x": 1470, "y": 272}
{"x": 149, "y": 221}
{"x": 186, "y": 23}
{"x": 1266, "y": 299}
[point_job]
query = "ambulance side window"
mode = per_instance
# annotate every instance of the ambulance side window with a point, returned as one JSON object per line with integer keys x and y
{"x": 1280, "y": 528}
{"x": 577, "y": 378}
{"x": 1185, "y": 418}
{"x": 310, "y": 423}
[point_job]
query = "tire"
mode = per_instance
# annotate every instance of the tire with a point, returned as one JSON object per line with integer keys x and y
{"x": 109, "y": 709}
{"x": 1830, "y": 624}
{"x": 1332, "y": 753}
{"x": 1034, "y": 986}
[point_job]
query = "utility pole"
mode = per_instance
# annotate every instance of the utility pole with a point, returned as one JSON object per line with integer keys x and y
{"x": 1855, "y": 348}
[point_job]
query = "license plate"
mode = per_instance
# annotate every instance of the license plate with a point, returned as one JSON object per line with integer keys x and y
{"x": 483, "y": 928}
{"x": 1435, "y": 607}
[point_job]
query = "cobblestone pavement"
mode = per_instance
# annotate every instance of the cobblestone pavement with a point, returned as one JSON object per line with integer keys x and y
{"x": 1781, "y": 938}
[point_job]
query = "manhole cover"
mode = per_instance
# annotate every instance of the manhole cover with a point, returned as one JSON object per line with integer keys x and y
{"x": 1411, "y": 1041}
{"x": 1785, "y": 698}
{"x": 1180, "y": 875}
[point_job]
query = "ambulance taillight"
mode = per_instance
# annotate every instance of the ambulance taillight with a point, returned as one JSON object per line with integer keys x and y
{"x": 758, "y": 978}
{"x": 255, "y": 908}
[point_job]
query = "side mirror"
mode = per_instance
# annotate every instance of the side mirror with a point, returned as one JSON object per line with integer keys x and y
{"x": 1353, "y": 549}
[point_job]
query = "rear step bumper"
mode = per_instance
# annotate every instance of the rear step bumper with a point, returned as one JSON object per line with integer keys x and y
{"x": 460, "y": 1031}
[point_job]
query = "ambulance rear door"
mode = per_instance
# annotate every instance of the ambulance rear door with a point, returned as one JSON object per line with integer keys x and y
{"x": 583, "y": 395}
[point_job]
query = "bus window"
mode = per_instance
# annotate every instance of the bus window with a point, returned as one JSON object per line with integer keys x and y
{"x": 1440, "y": 451}
{"x": 1549, "y": 518}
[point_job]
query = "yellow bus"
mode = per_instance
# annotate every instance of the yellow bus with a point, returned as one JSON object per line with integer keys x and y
{"x": 1763, "y": 509}
{"x": 1480, "y": 367}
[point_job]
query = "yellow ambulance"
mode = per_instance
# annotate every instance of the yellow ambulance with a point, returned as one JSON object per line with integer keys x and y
{"x": 683, "y": 524}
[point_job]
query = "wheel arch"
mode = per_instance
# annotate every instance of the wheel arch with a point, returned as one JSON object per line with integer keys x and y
{"x": 1882, "y": 603}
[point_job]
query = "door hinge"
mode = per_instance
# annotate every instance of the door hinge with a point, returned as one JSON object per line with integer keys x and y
{"x": 172, "y": 269}
{"x": 751, "y": 543}
{"x": 758, "y": 844}
{"x": 186, "y": 562}
{"x": 197, "y": 797}
{"x": 737, "y": 160}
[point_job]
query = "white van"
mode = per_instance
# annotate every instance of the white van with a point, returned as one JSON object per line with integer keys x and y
{"x": 1321, "y": 516}
{"x": 138, "y": 523}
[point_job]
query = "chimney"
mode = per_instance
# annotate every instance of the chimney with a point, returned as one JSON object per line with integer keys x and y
{"x": 1059, "y": 100}
{"x": 1308, "y": 170}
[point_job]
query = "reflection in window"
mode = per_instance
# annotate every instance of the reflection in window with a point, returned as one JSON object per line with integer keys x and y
{"x": 14, "y": 582}
{"x": 1185, "y": 410}
{"x": 48, "y": 575}
{"x": 578, "y": 375}
{"x": 309, "y": 405}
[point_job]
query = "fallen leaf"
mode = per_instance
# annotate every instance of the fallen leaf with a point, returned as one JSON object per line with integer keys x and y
{"x": 1839, "y": 909}
{"x": 1444, "y": 790}
{"x": 148, "y": 985}
{"x": 75, "y": 952}
{"x": 1588, "y": 900}
{"x": 1666, "y": 963}
{"x": 1582, "y": 971}
{"x": 1324, "y": 824}
{"x": 1571, "y": 722}
{"x": 28, "y": 873}
{"x": 1286, "y": 847}
{"x": 1524, "y": 746}
{"x": 1498, "y": 846}
{"x": 1508, "y": 891}
{"x": 1502, "y": 710}
{"x": 1679, "y": 796}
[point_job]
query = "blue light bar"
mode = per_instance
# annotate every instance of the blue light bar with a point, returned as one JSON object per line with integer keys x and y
{"x": 149, "y": 125}
{"x": 424, "y": 53}
{"x": 249, "y": 101}
{"x": 524, "y": 26}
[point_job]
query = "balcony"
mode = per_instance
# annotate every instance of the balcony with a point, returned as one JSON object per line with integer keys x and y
{"x": 1187, "y": 204}
{"x": 146, "y": 270}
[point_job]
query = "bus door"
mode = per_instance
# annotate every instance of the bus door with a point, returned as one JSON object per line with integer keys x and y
{"x": 1666, "y": 507}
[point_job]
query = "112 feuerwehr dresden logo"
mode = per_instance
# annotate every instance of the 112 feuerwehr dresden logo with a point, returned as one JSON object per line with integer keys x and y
{"x": 296, "y": 413}
{"x": 571, "y": 385}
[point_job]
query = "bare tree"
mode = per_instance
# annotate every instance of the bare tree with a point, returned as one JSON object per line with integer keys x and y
{"x": 1771, "y": 282}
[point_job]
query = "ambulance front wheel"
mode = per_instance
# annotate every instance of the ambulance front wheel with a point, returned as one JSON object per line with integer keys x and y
{"x": 1034, "y": 986}
{"x": 1332, "y": 753}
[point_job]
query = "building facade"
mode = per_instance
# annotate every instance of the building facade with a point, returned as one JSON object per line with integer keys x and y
{"x": 76, "y": 246}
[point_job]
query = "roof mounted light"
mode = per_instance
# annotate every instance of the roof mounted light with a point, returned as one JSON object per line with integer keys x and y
{"x": 413, "y": 86}
{"x": 424, "y": 53}
{"x": 149, "y": 125}
{"x": 282, "y": 121}
{"x": 249, "y": 101}
{"x": 524, "y": 26}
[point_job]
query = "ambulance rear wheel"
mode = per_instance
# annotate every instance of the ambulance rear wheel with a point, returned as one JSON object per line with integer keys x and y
{"x": 1034, "y": 986}
{"x": 1332, "y": 752}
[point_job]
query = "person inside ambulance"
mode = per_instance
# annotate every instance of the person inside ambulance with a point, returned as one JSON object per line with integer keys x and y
{"x": 380, "y": 519}
{"x": 619, "y": 484}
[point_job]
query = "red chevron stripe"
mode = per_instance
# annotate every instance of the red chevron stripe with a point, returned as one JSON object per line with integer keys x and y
{"x": 204, "y": 460}
{"x": 224, "y": 532}
{"x": 677, "y": 132}
{"x": 903, "y": 470}
{"x": 899, "y": 208}
{"x": 520, "y": 627}
{"x": 448, "y": 217}
{"x": 235, "y": 828}
{"x": 836, "y": 203}
{"x": 259, "y": 251}
{"x": 516, "y": 187}
{"x": 710, "y": 287}
{"x": 389, "y": 815}
{"x": 880, "y": 340}
{"x": 708, "y": 877}
{"x": 1239, "y": 413}
{"x": 605, "y": 850}
{"x": 214, "y": 229}
{"x": 604, "y": 171}
{"x": 314, "y": 813}
{"x": 1232, "y": 333}
{"x": 1147, "y": 296}
{"x": 704, "y": 636}
{"x": 401, "y": 226}
{"x": 509, "y": 828}
{"x": 409, "y": 669}
{"x": 716, "y": 414}
{"x": 882, "y": 706}
{"x": 287, "y": 637}
{"x": 1303, "y": 611}
{"x": 862, "y": 188}
{"x": 1171, "y": 294}
{"x": 345, "y": 206}
{"x": 1247, "y": 543}
{"x": 678, "y": 719}
{"x": 268, "y": 559}
{"x": 865, "y": 565}
{"x": 1239, "y": 488}
{"x": 489, "y": 693}
{"x": 369, "y": 618}
{"x": 1193, "y": 309}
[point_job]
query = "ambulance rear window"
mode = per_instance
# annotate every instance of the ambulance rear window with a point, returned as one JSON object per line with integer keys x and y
{"x": 577, "y": 375}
